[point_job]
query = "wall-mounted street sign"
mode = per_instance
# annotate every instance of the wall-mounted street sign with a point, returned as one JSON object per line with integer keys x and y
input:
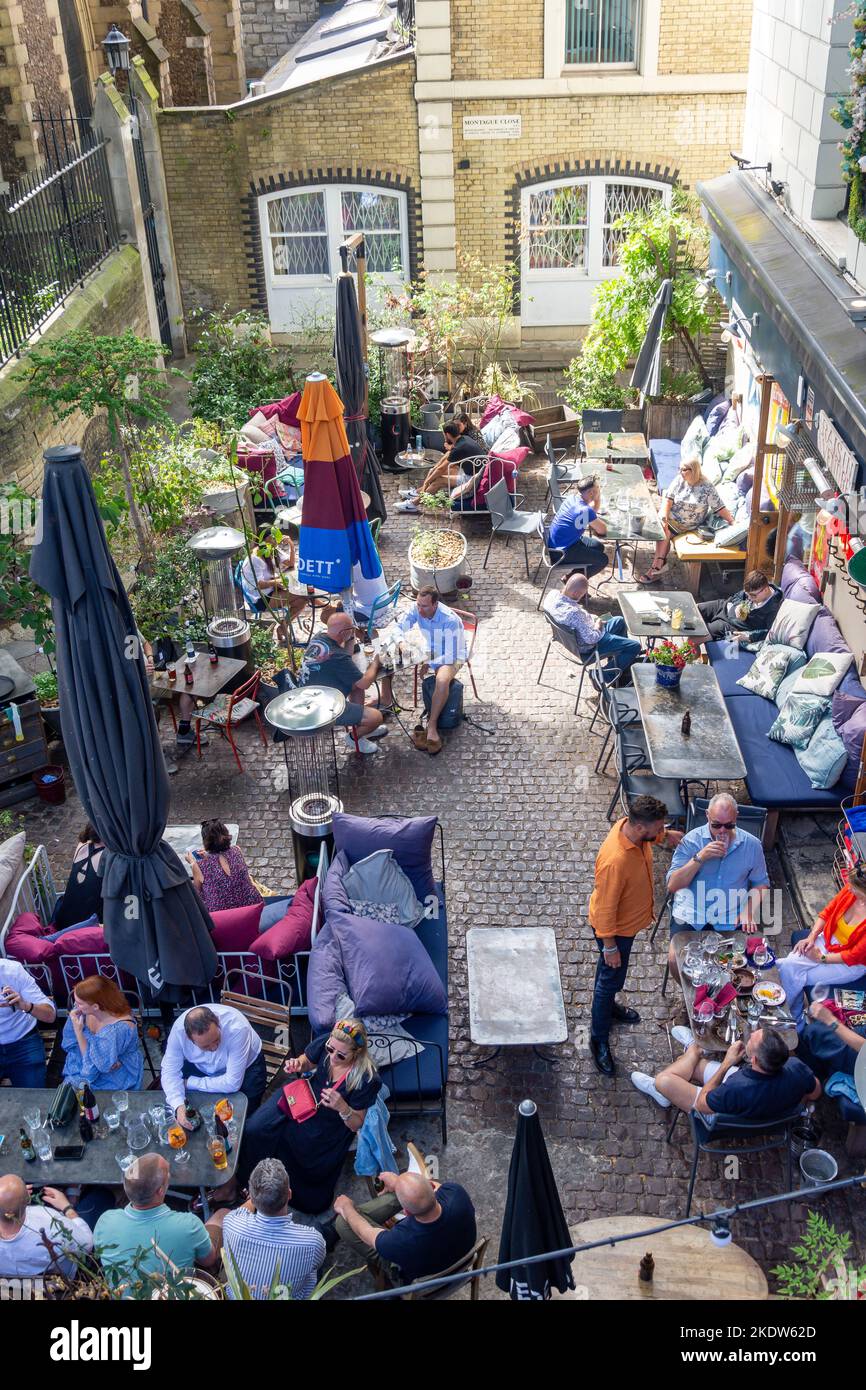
{"x": 492, "y": 127}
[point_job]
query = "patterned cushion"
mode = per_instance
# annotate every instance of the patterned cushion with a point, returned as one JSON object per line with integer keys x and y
{"x": 382, "y": 912}
{"x": 770, "y": 668}
{"x": 798, "y": 719}
{"x": 217, "y": 711}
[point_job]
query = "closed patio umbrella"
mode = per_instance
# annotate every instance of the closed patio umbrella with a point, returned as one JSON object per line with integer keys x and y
{"x": 155, "y": 924}
{"x": 335, "y": 539}
{"x": 534, "y": 1221}
{"x": 352, "y": 386}
{"x": 647, "y": 374}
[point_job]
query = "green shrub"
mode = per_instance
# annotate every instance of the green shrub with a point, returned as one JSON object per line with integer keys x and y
{"x": 236, "y": 368}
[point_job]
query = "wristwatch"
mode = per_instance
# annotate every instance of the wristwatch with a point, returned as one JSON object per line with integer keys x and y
{"x": 70, "y": 1212}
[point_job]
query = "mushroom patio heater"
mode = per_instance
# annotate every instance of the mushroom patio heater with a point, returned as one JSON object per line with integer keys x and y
{"x": 217, "y": 550}
{"x": 393, "y": 347}
{"x": 305, "y": 720}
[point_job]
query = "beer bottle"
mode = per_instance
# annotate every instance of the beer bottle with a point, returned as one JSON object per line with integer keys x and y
{"x": 85, "y": 1128}
{"x": 88, "y": 1100}
{"x": 193, "y": 1118}
{"x": 28, "y": 1152}
{"x": 213, "y": 655}
{"x": 222, "y": 1131}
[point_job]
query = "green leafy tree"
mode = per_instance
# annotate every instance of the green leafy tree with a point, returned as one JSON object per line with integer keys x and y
{"x": 236, "y": 368}
{"x": 122, "y": 376}
{"x": 660, "y": 243}
{"x": 21, "y": 601}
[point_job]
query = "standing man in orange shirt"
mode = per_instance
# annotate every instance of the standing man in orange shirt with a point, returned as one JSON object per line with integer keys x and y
{"x": 620, "y": 906}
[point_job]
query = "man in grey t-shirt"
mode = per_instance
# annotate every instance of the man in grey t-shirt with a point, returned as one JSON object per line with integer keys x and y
{"x": 328, "y": 661}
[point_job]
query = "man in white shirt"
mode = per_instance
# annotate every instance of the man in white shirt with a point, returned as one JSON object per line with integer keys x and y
{"x": 212, "y": 1048}
{"x": 22, "y": 1006}
{"x": 446, "y": 638}
{"x": 608, "y": 638}
{"x": 23, "y": 1252}
{"x": 263, "y": 1239}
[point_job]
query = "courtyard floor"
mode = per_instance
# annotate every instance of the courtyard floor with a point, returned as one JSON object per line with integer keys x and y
{"x": 523, "y": 815}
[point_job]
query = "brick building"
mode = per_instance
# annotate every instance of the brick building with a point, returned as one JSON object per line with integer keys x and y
{"x": 514, "y": 132}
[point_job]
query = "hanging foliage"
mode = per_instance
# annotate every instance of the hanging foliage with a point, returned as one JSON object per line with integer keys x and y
{"x": 850, "y": 112}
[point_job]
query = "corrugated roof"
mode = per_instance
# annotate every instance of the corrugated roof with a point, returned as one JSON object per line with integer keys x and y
{"x": 347, "y": 40}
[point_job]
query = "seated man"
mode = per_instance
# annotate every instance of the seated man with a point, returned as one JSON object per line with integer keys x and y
{"x": 446, "y": 639}
{"x": 830, "y": 1047}
{"x": 608, "y": 638}
{"x": 567, "y": 531}
{"x": 22, "y": 1007}
{"x": 264, "y": 1239}
{"x": 212, "y": 1049}
{"x": 746, "y": 616}
{"x": 25, "y": 1227}
{"x": 760, "y": 1082}
{"x": 134, "y": 1230}
{"x": 437, "y": 1229}
{"x": 718, "y": 875}
{"x": 328, "y": 660}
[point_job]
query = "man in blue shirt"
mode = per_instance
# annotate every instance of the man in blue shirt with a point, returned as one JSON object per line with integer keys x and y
{"x": 578, "y": 515}
{"x": 718, "y": 875}
{"x": 446, "y": 638}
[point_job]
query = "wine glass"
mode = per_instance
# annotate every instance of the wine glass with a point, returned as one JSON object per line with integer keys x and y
{"x": 761, "y": 954}
{"x": 177, "y": 1141}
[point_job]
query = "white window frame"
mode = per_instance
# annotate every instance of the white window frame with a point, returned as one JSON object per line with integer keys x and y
{"x": 334, "y": 234}
{"x": 646, "y": 56}
{"x": 604, "y": 67}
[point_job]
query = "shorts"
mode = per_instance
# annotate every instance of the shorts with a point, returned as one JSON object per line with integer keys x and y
{"x": 352, "y": 714}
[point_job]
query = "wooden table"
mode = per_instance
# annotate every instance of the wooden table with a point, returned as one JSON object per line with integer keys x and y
{"x": 711, "y": 751}
{"x": 622, "y": 446}
{"x": 99, "y": 1164}
{"x": 781, "y": 1017}
{"x": 687, "y": 1265}
{"x": 694, "y": 552}
{"x": 515, "y": 991}
{"x": 638, "y": 603}
{"x": 208, "y": 680}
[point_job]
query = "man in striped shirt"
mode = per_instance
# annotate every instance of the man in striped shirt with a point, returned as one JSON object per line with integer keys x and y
{"x": 263, "y": 1240}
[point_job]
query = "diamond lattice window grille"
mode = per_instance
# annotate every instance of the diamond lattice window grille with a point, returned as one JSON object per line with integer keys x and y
{"x": 377, "y": 215}
{"x": 622, "y": 198}
{"x": 298, "y": 234}
{"x": 558, "y": 225}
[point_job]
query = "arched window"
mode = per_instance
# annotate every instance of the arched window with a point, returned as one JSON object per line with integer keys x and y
{"x": 570, "y": 243}
{"x": 302, "y": 230}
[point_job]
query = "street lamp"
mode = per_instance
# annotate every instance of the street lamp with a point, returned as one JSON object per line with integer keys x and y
{"x": 116, "y": 46}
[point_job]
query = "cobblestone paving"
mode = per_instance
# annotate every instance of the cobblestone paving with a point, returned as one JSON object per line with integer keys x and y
{"x": 523, "y": 814}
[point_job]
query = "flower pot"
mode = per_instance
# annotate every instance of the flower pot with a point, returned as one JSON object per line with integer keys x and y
{"x": 50, "y": 783}
{"x": 220, "y": 497}
{"x": 443, "y": 577}
{"x": 51, "y": 720}
{"x": 669, "y": 676}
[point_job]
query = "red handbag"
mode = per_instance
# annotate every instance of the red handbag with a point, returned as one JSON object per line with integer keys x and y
{"x": 298, "y": 1100}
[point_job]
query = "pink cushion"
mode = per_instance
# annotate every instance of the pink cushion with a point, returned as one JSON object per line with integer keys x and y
{"x": 236, "y": 928}
{"x": 84, "y": 941}
{"x": 25, "y": 940}
{"x": 515, "y": 456}
{"x": 293, "y": 932}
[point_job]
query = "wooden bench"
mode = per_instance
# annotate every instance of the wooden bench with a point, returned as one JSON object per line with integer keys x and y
{"x": 694, "y": 552}
{"x": 273, "y": 1023}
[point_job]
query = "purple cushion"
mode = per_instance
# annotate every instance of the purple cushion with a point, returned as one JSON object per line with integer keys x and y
{"x": 745, "y": 482}
{"x": 798, "y": 583}
{"x": 717, "y": 414}
{"x": 236, "y": 928}
{"x": 410, "y": 838}
{"x": 387, "y": 969}
{"x": 325, "y": 980}
{"x": 824, "y": 635}
{"x": 850, "y": 685}
{"x": 849, "y": 721}
{"x": 292, "y": 932}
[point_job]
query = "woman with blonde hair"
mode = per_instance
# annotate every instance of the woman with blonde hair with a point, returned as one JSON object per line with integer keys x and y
{"x": 100, "y": 1038}
{"x": 343, "y": 1081}
{"x": 687, "y": 504}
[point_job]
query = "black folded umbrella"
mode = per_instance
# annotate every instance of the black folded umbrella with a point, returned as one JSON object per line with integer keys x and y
{"x": 647, "y": 374}
{"x": 352, "y": 390}
{"x": 155, "y": 924}
{"x": 534, "y": 1221}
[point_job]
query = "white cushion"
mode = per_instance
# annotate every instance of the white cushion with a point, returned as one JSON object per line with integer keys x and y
{"x": 793, "y": 623}
{"x": 695, "y": 439}
{"x": 822, "y": 674}
{"x": 11, "y": 869}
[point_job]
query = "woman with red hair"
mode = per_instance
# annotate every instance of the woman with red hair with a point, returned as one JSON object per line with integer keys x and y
{"x": 100, "y": 1038}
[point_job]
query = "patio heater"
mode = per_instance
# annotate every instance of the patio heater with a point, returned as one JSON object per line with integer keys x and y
{"x": 392, "y": 345}
{"x": 217, "y": 550}
{"x": 304, "y": 720}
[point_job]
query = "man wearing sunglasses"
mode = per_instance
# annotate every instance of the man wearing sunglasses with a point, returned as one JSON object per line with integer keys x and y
{"x": 718, "y": 875}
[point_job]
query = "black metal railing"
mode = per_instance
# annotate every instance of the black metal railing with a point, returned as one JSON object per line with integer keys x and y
{"x": 57, "y": 224}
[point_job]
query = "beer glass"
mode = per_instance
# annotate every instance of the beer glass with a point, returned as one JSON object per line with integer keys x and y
{"x": 217, "y": 1149}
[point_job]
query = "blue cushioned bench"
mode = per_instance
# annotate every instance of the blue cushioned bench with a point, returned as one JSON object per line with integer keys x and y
{"x": 665, "y": 458}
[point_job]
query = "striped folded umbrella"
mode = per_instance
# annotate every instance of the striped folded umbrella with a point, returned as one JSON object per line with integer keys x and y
{"x": 335, "y": 540}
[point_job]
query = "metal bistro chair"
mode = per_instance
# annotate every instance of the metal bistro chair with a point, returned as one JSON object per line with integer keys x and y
{"x": 599, "y": 422}
{"x": 750, "y": 818}
{"x": 567, "y": 640}
{"x": 507, "y": 520}
{"x": 471, "y": 1261}
{"x": 559, "y": 472}
{"x": 554, "y": 558}
{"x": 634, "y": 779}
{"x": 226, "y": 711}
{"x": 385, "y": 604}
{"x": 619, "y": 709}
{"x": 705, "y": 1141}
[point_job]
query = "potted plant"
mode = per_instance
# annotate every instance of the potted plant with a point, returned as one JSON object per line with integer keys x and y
{"x": 46, "y": 694}
{"x": 437, "y": 554}
{"x": 823, "y": 1269}
{"x": 670, "y": 660}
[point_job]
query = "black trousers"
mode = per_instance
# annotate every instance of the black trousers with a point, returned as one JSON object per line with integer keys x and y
{"x": 608, "y": 983}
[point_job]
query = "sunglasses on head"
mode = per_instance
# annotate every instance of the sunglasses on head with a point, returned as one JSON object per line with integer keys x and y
{"x": 723, "y": 825}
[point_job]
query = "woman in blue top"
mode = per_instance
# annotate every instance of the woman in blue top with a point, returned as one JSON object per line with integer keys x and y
{"x": 100, "y": 1038}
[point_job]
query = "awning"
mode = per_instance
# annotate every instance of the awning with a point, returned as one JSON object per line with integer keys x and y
{"x": 800, "y": 291}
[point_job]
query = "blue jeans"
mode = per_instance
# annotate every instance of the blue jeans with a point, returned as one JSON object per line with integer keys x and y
{"x": 583, "y": 552}
{"x": 614, "y": 643}
{"x": 24, "y": 1061}
{"x": 253, "y": 1085}
{"x": 608, "y": 983}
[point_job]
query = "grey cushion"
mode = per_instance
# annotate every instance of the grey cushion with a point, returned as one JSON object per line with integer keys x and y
{"x": 379, "y": 880}
{"x": 793, "y": 622}
{"x": 11, "y": 869}
{"x": 825, "y": 758}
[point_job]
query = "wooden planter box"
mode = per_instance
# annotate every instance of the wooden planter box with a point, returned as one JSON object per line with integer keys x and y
{"x": 559, "y": 421}
{"x": 668, "y": 419}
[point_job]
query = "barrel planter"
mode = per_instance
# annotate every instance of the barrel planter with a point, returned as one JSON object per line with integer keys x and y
{"x": 444, "y": 576}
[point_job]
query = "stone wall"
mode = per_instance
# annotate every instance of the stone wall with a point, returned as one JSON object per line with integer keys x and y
{"x": 32, "y": 73}
{"x": 269, "y": 29}
{"x": 171, "y": 22}
{"x": 359, "y": 128}
{"x": 109, "y": 303}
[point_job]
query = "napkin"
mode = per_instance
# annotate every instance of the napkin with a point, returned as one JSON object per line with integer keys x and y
{"x": 725, "y": 995}
{"x": 752, "y": 944}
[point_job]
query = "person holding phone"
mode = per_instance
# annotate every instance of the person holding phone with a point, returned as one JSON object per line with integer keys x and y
{"x": 22, "y": 1007}
{"x": 26, "y": 1225}
{"x": 100, "y": 1037}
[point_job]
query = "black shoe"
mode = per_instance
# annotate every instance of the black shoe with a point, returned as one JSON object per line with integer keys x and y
{"x": 620, "y": 1014}
{"x": 329, "y": 1232}
{"x": 602, "y": 1058}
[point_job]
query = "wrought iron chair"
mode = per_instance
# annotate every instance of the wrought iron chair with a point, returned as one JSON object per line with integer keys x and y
{"x": 226, "y": 711}
{"x": 634, "y": 779}
{"x": 564, "y": 638}
{"x": 507, "y": 520}
{"x": 706, "y": 1141}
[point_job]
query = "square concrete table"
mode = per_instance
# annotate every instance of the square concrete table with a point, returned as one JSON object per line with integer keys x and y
{"x": 99, "y": 1164}
{"x": 711, "y": 751}
{"x": 637, "y": 604}
{"x": 515, "y": 991}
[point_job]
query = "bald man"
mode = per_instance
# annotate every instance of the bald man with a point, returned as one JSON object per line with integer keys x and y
{"x": 328, "y": 661}
{"x": 609, "y": 638}
{"x": 417, "y": 1228}
{"x": 23, "y": 1224}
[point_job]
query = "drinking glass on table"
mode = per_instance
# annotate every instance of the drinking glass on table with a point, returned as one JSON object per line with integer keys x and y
{"x": 42, "y": 1144}
{"x": 124, "y": 1161}
{"x": 216, "y": 1147}
{"x": 137, "y": 1134}
{"x": 120, "y": 1101}
{"x": 761, "y": 954}
{"x": 33, "y": 1118}
{"x": 112, "y": 1118}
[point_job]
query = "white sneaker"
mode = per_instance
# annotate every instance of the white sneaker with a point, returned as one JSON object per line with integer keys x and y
{"x": 378, "y": 733}
{"x": 408, "y": 493}
{"x": 408, "y": 506}
{"x": 647, "y": 1085}
{"x": 364, "y": 745}
{"x": 684, "y": 1036}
